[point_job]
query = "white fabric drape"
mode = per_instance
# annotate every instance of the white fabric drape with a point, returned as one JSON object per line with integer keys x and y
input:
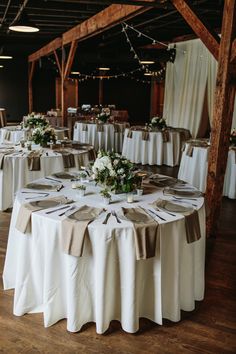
{"x": 187, "y": 79}
{"x": 211, "y": 84}
{"x": 185, "y": 86}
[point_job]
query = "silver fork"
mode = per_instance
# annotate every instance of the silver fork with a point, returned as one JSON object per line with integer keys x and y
{"x": 72, "y": 208}
{"x": 115, "y": 215}
{"x": 106, "y": 218}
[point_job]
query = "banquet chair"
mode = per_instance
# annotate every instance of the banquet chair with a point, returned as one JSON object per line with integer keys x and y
{"x": 120, "y": 116}
{"x": 3, "y": 119}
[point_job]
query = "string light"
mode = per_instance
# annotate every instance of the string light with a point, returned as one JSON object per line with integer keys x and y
{"x": 141, "y": 67}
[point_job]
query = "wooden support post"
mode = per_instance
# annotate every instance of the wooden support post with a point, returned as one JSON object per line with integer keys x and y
{"x": 153, "y": 98}
{"x": 100, "y": 92}
{"x": 65, "y": 71}
{"x": 222, "y": 117}
{"x": 58, "y": 62}
{"x": 70, "y": 59}
{"x": 30, "y": 86}
{"x": 157, "y": 98}
{"x": 63, "y": 113}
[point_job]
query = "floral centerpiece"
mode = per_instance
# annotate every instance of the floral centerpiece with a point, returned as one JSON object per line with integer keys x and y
{"x": 43, "y": 136}
{"x": 158, "y": 122}
{"x": 115, "y": 172}
{"x": 35, "y": 120}
{"x": 104, "y": 115}
{"x": 233, "y": 137}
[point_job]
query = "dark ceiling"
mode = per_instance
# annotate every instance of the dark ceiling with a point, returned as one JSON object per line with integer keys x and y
{"x": 54, "y": 17}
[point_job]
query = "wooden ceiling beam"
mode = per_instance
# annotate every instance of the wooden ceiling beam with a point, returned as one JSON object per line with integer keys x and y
{"x": 105, "y": 19}
{"x": 199, "y": 26}
{"x": 46, "y": 50}
{"x": 102, "y": 21}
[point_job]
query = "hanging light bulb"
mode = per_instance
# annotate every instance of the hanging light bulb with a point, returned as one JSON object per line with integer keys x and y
{"x": 23, "y": 24}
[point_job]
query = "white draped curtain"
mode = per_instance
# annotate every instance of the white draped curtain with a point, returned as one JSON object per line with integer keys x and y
{"x": 187, "y": 80}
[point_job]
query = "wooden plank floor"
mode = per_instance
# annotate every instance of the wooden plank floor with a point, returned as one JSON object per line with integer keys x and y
{"x": 211, "y": 328}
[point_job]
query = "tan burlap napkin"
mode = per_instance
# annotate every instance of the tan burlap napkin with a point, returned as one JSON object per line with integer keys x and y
{"x": 145, "y": 135}
{"x": 184, "y": 192}
{"x": 68, "y": 158}
{"x": 161, "y": 181}
{"x": 74, "y": 229}
{"x": 100, "y": 128}
{"x": 192, "y": 225}
{"x": 34, "y": 161}
{"x": 145, "y": 232}
{"x": 23, "y": 221}
{"x": 165, "y": 136}
{"x": 130, "y": 134}
{"x": 189, "y": 151}
{"x": 2, "y": 156}
{"x": 7, "y": 135}
{"x": 83, "y": 159}
{"x": 84, "y": 128}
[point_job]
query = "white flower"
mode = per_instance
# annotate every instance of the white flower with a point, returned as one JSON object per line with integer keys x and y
{"x": 120, "y": 171}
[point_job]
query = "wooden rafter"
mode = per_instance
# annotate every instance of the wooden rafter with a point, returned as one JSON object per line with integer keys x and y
{"x": 70, "y": 59}
{"x": 105, "y": 19}
{"x": 58, "y": 62}
{"x": 46, "y": 50}
{"x": 222, "y": 117}
{"x": 199, "y": 26}
{"x": 30, "y": 88}
{"x": 102, "y": 21}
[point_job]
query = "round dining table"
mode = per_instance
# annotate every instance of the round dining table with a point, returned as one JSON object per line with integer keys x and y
{"x": 20, "y": 166}
{"x": 14, "y": 134}
{"x": 107, "y": 282}
{"x": 107, "y": 137}
{"x": 143, "y": 146}
{"x": 194, "y": 164}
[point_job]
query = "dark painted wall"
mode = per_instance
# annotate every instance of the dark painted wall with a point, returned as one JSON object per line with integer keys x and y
{"x": 13, "y": 88}
{"x": 124, "y": 93}
{"x": 44, "y": 89}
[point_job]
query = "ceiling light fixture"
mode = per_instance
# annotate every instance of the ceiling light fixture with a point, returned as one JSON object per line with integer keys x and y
{"x": 75, "y": 72}
{"x": 23, "y": 24}
{"x": 147, "y": 62}
{"x": 5, "y": 57}
{"x": 1, "y": 66}
{"x": 148, "y": 74}
{"x": 104, "y": 69}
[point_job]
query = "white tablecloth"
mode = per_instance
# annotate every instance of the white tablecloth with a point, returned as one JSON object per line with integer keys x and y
{"x": 194, "y": 170}
{"x": 12, "y": 134}
{"x": 152, "y": 151}
{"x": 107, "y": 283}
{"x": 107, "y": 139}
{"x": 16, "y": 174}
